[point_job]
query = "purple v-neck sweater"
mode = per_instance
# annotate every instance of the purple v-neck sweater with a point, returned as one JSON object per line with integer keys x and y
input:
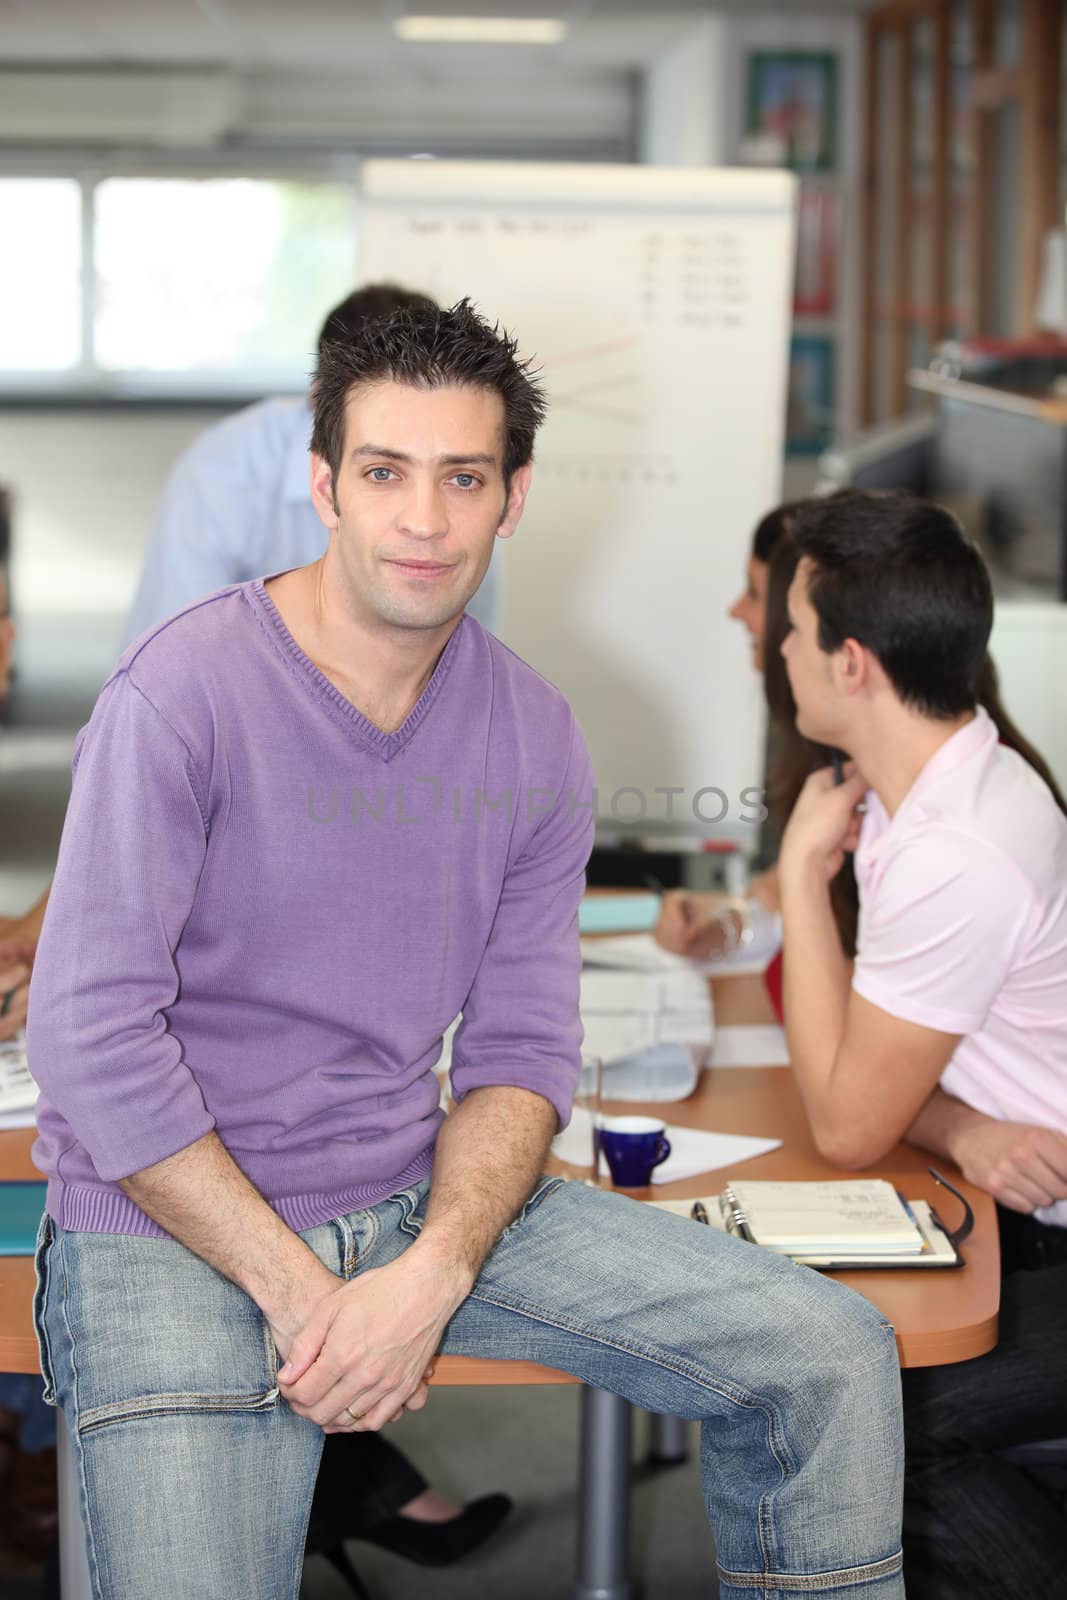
{"x": 266, "y": 911}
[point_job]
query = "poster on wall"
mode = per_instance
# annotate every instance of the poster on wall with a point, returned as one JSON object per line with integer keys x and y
{"x": 792, "y": 110}
{"x": 815, "y": 291}
{"x": 810, "y": 413}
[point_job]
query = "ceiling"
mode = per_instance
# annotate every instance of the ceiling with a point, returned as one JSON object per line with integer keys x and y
{"x": 304, "y": 78}
{"x": 253, "y": 35}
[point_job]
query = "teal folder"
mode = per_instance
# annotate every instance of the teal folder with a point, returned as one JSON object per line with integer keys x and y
{"x": 618, "y": 913}
{"x": 21, "y": 1207}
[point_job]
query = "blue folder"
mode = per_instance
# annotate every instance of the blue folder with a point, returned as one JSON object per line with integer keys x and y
{"x": 21, "y": 1208}
{"x": 618, "y": 913}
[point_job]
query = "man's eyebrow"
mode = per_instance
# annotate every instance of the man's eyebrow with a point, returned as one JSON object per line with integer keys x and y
{"x": 382, "y": 452}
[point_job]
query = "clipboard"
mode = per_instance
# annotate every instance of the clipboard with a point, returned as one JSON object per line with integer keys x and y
{"x": 941, "y": 1244}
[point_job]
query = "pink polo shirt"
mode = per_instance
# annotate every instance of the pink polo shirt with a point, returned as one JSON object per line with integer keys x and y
{"x": 963, "y": 925}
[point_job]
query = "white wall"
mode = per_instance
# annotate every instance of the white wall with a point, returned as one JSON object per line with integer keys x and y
{"x": 683, "y": 108}
{"x": 86, "y": 485}
{"x": 1029, "y": 646}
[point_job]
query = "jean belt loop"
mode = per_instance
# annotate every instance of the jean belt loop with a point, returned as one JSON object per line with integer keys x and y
{"x": 346, "y": 1241}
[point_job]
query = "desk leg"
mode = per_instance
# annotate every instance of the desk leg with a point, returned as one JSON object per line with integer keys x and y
{"x": 603, "y": 1498}
{"x": 73, "y": 1562}
{"x": 670, "y": 1440}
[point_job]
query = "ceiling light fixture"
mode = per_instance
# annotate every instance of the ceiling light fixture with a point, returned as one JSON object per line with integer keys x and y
{"x": 480, "y": 30}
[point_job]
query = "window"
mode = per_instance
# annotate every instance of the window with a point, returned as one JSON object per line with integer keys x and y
{"x": 193, "y": 284}
{"x": 219, "y": 275}
{"x": 40, "y": 274}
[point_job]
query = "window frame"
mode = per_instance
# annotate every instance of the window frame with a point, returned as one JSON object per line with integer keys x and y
{"x": 88, "y": 383}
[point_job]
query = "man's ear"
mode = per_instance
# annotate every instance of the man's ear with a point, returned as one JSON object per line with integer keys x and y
{"x": 322, "y": 491}
{"x": 518, "y": 489}
{"x": 854, "y": 666}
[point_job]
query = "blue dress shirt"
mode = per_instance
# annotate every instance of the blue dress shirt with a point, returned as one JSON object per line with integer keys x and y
{"x": 237, "y": 505}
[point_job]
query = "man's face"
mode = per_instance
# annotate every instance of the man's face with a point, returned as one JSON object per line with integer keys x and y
{"x": 810, "y": 669}
{"x": 420, "y": 498}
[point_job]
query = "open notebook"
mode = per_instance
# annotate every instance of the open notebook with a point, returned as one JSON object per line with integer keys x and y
{"x": 848, "y": 1223}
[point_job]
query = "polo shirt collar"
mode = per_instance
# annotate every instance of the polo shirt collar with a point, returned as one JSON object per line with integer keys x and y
{"x": 967, "y": 742}
{"x": 295, "y": 481}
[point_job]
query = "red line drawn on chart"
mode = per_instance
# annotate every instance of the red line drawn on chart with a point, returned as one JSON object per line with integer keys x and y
{"x": 590, "y": 353}
{"x": 603, "y": 396}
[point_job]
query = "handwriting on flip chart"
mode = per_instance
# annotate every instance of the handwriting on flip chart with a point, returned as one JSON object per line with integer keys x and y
{"x": 693, "y": 276}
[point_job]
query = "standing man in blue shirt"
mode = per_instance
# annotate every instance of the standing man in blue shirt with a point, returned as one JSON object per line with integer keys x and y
{"x": 238, "y": 501}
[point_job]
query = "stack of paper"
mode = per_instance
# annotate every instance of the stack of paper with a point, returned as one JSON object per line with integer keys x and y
{"x": 624, "y": 1012}
{"x": 639, "y": 952}
{"x": 18, "y": 1092}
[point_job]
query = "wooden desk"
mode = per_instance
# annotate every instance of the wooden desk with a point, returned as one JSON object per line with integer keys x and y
{"x": 18, "y": 1347}
{"x": 940, "y": 1317}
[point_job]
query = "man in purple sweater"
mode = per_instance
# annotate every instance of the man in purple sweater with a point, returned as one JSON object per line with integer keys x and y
{"x": 313, "y": 818}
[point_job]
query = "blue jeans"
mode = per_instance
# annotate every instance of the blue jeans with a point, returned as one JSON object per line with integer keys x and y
{"x": 197, "y": 1477}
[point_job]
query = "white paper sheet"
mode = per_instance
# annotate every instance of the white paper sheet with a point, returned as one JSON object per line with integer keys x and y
{"x": 692, "y": 1149}
{"x": 575, "y": 1144}
{"x": 753, "y": 1045}
{"x": 639, "y": 952}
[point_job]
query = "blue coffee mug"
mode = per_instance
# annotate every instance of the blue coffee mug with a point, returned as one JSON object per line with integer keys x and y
{"x": 632, "y": 1147}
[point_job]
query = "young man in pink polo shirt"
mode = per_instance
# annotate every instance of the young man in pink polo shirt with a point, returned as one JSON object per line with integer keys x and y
{"x": 951, "y": 1029}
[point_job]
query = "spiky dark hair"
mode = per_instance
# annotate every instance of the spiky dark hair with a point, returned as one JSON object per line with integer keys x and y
{"x": 429, "y": 348}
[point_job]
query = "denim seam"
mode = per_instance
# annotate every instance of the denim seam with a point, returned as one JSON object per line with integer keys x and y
{"x": 270, "y": 1355}
{"x": 739, "y": 1397}
{"x": 809, "y": 1583}
{"x": 169, "y": 1404}
{"x": 299, "y": 1550}
{"x": 540, "y": 1193}
{"x": 347, "y": 1245}
{"x": 75, "y": 1437}
{"x": 408, "y": 1201}
{"x": 46, "y": 1236}
{"x": 360, "y": 1257}
{"x": 775, "y": 1439}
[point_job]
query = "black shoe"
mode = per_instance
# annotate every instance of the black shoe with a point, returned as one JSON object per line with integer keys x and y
{"x": 438, "y": 1544}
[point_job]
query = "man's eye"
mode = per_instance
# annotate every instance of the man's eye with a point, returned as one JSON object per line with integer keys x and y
{"x": 380, "y": 474}
{"x": 466, "y": 480}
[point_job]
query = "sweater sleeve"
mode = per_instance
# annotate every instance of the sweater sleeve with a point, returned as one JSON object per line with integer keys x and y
{"x": 521, "y": 1025}
{"x": 132, "y": 851}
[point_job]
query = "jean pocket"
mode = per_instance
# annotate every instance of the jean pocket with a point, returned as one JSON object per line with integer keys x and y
{"x": 260, "y": 1395}
{"x": 540, "y": 1194}
{"x": 45, "y": 1236}
{"x": 411, "y": 1203}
